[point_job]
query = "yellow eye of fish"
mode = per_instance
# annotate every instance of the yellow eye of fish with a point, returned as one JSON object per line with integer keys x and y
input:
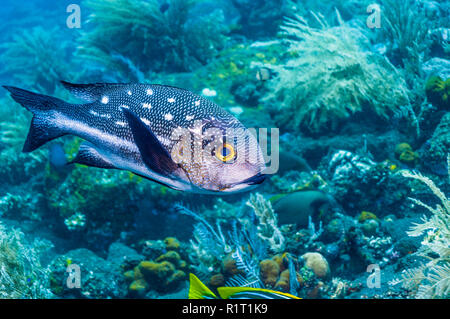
{"x": 225, "y": 152}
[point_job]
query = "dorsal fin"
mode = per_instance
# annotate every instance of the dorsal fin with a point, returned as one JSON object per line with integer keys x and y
{"x": 90, "y": 92}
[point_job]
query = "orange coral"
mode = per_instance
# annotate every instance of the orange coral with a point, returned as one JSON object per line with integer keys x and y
{"x": 283, "y": 281}
{"x": 269, "y": 272}
{"x": 366, "y": 216}
{"x": 229, "y": 266}
{"x": 138, "y": 288}
{"x": 151, "y": 269}
{"x": 281, "y": 260}
{"x": 405, "y": 154}
{"x": 171, "y": 256}
{"x": 217, "y": 280}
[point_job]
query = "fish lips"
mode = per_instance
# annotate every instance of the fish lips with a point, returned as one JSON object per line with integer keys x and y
{"x": 255, "y": 179}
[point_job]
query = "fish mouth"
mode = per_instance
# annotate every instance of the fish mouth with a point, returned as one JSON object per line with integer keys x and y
{"x": 255, "y": 179}
{"x": 243, "y": 186}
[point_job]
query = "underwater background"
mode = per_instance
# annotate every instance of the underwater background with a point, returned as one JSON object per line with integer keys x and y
{"x": 358, "y": 208}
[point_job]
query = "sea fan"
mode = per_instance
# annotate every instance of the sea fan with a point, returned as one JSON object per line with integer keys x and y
{"x": 332, "y": 76}
{"x": 21, "y": 272}
{"x": 431, "y": 280}
{"x": 249, "y": 267}
{"x": 152, "y": 40}
{"x": 267, "y": 229}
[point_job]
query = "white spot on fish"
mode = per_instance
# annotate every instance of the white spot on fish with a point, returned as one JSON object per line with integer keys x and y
{"x": 124, "y": 106}
{"x": 146, "y": 105}
{"x": 149, "y": 92}
{"x": 93, "y": 112}
{"x": 197, "y": 103}
{"x": 108, "y": 116}
{"x": 168, "y": 117}
{"x": 105, "y": 99}
{"x": 129, "y": 92}
{"x": 123, "y": 124}
{"x": 163, "y": 140}
{"x": 171, "y": 100}
{"x": 189, "y": 117}
{"x": 145, "y": 120}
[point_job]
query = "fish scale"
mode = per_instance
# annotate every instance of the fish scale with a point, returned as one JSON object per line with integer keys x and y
{"x": 183, "y": 106}
{"x": 130, "y": 127}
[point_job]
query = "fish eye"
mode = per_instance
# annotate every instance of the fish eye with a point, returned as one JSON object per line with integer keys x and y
{"x": 225, "y": 153}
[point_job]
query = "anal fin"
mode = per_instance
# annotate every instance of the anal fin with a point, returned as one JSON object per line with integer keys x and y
{"x": 88, "y": 155}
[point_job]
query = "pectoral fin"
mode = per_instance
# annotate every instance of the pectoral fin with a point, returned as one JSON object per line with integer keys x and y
{"x": 88, "y": 155}
{"x": 153, "y": 153}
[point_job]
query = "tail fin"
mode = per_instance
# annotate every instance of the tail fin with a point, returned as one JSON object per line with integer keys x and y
{"x": 198, "y": 290}
{"x": 41, "y": 129}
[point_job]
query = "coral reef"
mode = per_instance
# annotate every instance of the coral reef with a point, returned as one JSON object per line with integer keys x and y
{"x": 432, "y": 279}
{"x": 269, "y": 272}
{"x": 136, "y": 34}
{"x": 99, "y": 277}
{"x": 267, "y": 228}
{"x": 435, "y": 150}
{"x": 317, "y": 263}
{"x": 258, "y": 18}
{"x": 357, "y": 109}
{"x": 405, "y": 154}
{"x": 438, "y": 92}
{"x": 38, "y": 58}
{"x": 21, "y": 273}
{"x": 164, "y": 273}
{"x": 407, "y": 32}
{"x": 332, "y": 77}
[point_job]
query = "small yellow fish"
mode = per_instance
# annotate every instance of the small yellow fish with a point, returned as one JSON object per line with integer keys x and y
{"x": 198, "y": 290}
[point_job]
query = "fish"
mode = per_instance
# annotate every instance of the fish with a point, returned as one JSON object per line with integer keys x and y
{"x": 57, "y": 156}
{"x": 164, "y": 7}
{"x": 301, "y": 206}
{"x": 165, "y": 134}
{"x": 198, "y": 290}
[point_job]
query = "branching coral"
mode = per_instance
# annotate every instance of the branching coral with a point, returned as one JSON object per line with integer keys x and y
{"x": 139, "y": 32}
{"x": 260, "y": 17}
{"x": 431, "y": 280}
{"x": 21, "y": 272}
{"x": 238, "y": 252}
{"x": 406, "y": 27}
{"x": 267, "y": 229}
{"x": 331, "y": 76}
